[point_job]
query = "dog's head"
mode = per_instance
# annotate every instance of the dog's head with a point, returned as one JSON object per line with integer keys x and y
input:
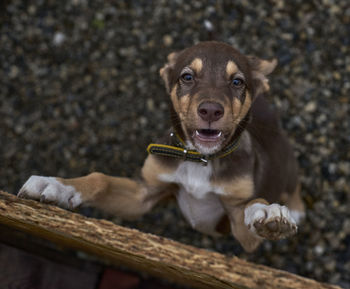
{"x": 212, "y": 87}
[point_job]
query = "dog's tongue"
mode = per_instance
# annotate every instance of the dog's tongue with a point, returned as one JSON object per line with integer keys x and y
{"x": 208, "y": 134}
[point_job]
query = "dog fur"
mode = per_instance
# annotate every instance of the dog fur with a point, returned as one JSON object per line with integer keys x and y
{"x": 217, "y": 96}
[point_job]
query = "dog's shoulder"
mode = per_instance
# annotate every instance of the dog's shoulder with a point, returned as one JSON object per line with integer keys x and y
{"x": 155, "y": 165}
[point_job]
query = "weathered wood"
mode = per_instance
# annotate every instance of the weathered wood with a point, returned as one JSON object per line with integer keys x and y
{"x": 144, "y": 252}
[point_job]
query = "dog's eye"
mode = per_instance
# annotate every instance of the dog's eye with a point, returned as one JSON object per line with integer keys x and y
{"x": 237, "y": 82}
{"x": 187, "y": 77}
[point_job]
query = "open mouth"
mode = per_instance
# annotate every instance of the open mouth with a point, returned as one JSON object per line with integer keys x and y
{"x": 208, "y": 135}
{"x": 208, "y": 141}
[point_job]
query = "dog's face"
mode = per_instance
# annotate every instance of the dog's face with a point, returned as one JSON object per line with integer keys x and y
{"x": 212, "y": 87}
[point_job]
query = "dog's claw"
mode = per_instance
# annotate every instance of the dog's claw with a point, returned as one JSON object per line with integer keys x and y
{"x": 70, "y": 203}
{"x": 23, "y": 194}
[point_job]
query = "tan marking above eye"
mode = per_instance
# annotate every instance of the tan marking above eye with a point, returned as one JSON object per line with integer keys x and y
{"x": 231, "y": 68}
{"x": 196, "y": 65}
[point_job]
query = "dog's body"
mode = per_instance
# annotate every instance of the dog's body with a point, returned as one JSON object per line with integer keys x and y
{"x": 236, "y": 159}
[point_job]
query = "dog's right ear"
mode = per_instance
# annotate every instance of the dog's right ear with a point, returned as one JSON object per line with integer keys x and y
{"x": 167, "y": 68}
{"x": 260, "y": 69}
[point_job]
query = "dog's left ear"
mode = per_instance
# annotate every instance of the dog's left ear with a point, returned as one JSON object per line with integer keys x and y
{"x": 260, "y": 69}
{"x": 167, "y": 68}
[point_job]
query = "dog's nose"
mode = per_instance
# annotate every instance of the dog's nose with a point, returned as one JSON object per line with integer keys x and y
{"x": 210, "y": 111}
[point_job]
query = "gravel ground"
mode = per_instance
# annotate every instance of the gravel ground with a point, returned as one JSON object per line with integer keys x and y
{"x": 80, "y": 92}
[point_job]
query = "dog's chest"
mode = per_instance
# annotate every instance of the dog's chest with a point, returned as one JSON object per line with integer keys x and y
{"x": 197, "y": 197}
{"x": 193, "y": 177}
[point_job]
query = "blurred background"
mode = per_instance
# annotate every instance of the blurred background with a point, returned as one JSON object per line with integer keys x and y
{"x": 80, "y": 92}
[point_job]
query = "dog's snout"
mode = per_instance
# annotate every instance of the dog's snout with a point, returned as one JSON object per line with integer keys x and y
{"x": 210, "y": 111}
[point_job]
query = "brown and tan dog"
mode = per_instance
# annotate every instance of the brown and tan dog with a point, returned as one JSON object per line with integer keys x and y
{"x": 226, "y": 156}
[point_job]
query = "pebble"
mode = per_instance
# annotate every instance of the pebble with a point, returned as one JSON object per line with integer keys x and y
{"x": 310, "y": 106}
{"x": 58, "y": 38}
{"x": 167, "y": 40}
{"x": 319, "y": 250}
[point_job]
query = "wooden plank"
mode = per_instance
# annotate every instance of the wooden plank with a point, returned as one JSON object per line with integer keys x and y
{"x": 144, "y": 252}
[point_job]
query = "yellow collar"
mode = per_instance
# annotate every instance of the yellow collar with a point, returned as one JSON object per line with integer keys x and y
{"x": 181, "y": 152}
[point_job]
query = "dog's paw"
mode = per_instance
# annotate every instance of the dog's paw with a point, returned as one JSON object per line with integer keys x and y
{"x": 271, "y": 222}
{"x": 50, "y": 190}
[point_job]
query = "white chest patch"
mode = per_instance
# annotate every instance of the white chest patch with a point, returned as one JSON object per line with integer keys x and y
{"x": 193, "y": 177}
{"x": 197, "y": 197}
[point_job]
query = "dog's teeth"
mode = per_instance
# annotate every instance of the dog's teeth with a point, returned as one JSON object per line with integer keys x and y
{"x": 197, "y": 132}
{"x": 219, "y": 134}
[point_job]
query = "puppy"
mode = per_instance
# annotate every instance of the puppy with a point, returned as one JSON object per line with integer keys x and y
{"x": 225, "y": 159}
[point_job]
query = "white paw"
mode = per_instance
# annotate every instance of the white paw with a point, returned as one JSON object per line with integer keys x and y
{"x": 272, "y": 222}
{"x": 50, "y": 190}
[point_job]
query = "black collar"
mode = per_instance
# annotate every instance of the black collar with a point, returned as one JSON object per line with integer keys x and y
{"x": 179, "y": 150}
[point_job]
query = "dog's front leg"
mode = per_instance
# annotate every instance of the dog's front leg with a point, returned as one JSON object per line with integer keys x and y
{"x": 254, "y": 221}
{"x": 123, "y": 197}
